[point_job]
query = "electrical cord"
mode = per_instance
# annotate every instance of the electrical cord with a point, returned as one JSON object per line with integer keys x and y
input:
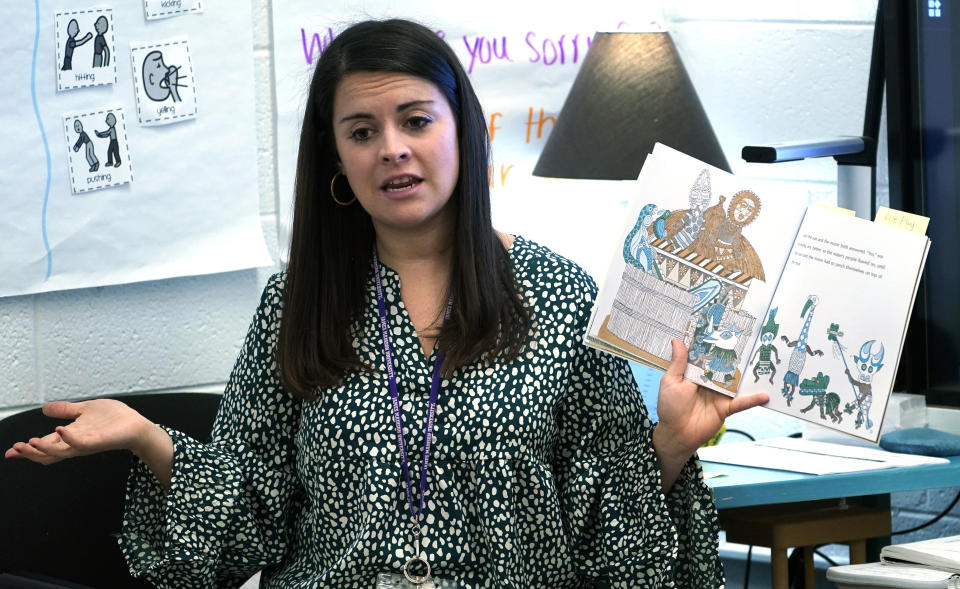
{"x": 824, "y": 556}
{"x": 746, "y": 570}
{"x": 742, "y": 433}
{"x": 932, "y": 521}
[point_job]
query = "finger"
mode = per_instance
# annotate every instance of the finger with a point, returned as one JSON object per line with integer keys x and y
{"x": 53, "y": 445}
{"x": 63, "y": 409}
{"x": 678, "y": 359}
{"x": 742, "y": 403}
{"x": 31, "y": 453}
{"x": 68, "y": 436}
{"x": 12, "y": 453}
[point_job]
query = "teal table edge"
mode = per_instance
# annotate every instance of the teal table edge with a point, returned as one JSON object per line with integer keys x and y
{"x": 741, "y": 486}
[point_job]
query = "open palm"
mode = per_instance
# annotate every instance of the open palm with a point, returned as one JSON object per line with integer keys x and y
{"x": 692, "y": 414}
{"x": 98, "y": 425}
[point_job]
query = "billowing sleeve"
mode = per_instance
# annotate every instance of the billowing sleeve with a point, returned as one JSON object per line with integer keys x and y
{"x": 621, "y": 528}
{"x": 225, "y": 514}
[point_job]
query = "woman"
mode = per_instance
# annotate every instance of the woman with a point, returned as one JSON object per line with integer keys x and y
{"x": 502, "y": 452}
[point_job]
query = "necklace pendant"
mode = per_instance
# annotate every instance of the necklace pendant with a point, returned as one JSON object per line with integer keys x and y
{"x": 417, "y": 569}
{"x": 417, "y": 579}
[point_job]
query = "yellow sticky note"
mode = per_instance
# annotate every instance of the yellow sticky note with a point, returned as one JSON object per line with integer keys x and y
{"x": 850, "y": 212}
{"x": 906, "y": 221}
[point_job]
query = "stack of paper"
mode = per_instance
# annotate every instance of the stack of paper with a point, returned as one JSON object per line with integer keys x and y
{"x": 876, "y": 575}
{"x": 799, "y": 455}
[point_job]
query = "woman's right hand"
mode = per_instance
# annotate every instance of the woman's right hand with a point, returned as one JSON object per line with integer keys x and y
{"x": 98, "y": 425}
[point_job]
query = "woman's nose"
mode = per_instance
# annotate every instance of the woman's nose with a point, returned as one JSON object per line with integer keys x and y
{"x": 394, "y": 149}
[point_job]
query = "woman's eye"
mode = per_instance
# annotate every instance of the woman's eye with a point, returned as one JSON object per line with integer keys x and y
{"x": 361, "y": 134}
{"x": 418, "y": 122}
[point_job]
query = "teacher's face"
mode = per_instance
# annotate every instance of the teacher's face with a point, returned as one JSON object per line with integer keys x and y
{"x": 397, "y": 141}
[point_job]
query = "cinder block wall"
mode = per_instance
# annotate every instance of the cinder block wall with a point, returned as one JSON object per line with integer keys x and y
{"x": 765, "y": 71}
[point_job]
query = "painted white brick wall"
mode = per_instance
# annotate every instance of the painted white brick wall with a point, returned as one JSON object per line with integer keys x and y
{"x": 765, "y": 71}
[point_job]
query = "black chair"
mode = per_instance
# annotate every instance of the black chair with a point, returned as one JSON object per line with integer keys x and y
{"x": 59, "y": 523}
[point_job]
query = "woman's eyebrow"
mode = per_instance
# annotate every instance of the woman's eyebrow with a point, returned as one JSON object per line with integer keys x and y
{"x": 411, "y": 104}
{"x": 358, "y": 115}
{"x": 400, "y": 108}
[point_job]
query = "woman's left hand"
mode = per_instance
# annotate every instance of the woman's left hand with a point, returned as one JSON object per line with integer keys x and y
{"x": 690, "y": 414}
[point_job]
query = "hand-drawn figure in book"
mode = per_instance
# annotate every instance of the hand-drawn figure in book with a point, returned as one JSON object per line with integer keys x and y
{"x": 723, "y": 354}
{"x": 113, "y": 151}
{"x": 683, "y": 226}
{"x": 800, "y": 350}
{"x": 707, "y": 321}
{"x": 636, "y": 247}
{"x": 829, "y": 403}
{"x": 101, "y": 53}
{"x": 83, "y": 140}
{"x": 160, "y": 81}
{"x": 766, "y": 351}
{"x": 868, "y": 363}
{"x": 722, "y": 240}
{"x": 73, "y": 29}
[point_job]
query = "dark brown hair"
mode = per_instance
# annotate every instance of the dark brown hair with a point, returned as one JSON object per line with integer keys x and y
{"x": 330, "y": 250}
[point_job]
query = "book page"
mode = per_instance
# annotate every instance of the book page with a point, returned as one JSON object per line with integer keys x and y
{"x": 700, "y": 255}
{"x": 887, "y": 575}
{"x": 829, "y": 349}
{"x": 943, "y": 553}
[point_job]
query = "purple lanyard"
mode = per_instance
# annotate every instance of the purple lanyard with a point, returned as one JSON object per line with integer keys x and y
{"x": 415, "y": 511}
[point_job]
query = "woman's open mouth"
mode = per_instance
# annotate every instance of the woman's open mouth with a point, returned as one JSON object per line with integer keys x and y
{"x": 401, "y": 183}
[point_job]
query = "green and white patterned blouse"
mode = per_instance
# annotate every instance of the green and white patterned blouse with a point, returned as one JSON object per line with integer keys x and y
{"x": 542, "y": 470}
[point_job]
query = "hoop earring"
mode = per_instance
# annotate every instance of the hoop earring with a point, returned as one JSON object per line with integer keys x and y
{"x": 334, "y": 195}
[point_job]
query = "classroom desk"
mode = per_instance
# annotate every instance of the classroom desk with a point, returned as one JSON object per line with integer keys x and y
{"x": 742, "y": 486}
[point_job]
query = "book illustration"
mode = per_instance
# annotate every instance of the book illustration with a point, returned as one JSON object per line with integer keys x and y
{"x": 798, "y": 357}
{"x": 721, "y": 238}
{"x": 636, "y": 247}
{"x": 828, "y": 402}
{"x": 686, "y": 275}
{"x": 766, "y": 350}
{"x": 863, "y": 389}
{"x": 867, "y": 363}
{"x": 756, "y": 285}
{"x": 724, "y": 352}
{"x": 682, "y": 227}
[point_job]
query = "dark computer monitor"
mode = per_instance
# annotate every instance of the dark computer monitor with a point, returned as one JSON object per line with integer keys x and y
{"x": 922, "y": 62}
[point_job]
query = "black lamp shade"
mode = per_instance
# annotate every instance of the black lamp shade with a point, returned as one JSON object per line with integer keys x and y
{"x": 632, "y": 91}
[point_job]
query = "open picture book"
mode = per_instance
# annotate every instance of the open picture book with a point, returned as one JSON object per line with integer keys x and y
{"x": 807, "y": 304}
{"x": 938, "y": 553}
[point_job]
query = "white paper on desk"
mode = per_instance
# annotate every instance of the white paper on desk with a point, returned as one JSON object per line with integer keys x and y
{"x": 797, "y": 455}
{"x": 850, "y": 451}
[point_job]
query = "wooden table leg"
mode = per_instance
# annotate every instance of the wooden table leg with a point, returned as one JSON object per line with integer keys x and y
{"x": 808, "y": 578}
{"x": 858, "y": 551}
{"x": 778, "y": 568}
